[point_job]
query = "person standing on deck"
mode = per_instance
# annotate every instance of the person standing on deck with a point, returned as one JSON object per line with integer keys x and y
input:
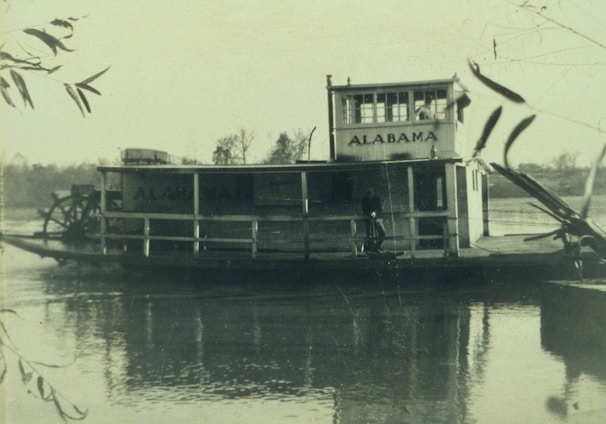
{"x": 372, "y": 206}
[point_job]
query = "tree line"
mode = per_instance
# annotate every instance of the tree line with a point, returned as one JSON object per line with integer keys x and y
{"x": 233, "y": 149}
{"x": 562, "y": 176}
{"x": 30, "y": 185}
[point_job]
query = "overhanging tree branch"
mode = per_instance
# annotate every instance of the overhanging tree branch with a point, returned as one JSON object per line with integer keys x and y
{"x": 20, "y": 61}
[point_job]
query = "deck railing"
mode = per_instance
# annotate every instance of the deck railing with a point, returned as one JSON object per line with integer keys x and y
{"x": 353, "y": 238}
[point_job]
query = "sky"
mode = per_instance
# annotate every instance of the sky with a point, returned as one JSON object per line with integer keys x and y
{"x": 185, "y": 73}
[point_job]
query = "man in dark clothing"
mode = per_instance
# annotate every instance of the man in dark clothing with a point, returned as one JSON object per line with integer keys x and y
{"x": 375, "y": 231}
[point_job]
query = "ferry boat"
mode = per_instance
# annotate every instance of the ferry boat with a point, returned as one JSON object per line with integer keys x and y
{"x": 406, "y": 142}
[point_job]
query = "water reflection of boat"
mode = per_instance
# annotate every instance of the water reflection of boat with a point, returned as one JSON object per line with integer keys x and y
{"x": 379, "y": 357}
{"x": 572, "y": 317}
{"x": 572, "y": 326}
{"x": 307, "y": 215}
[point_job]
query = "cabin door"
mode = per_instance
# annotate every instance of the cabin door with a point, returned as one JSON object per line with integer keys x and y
{"x": 462, "y": 207}
{"x": 430, "y": 195}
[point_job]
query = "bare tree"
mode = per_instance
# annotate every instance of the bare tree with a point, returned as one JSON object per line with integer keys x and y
{"x": 245, "y": 140}
{"x": 232, "y": 149}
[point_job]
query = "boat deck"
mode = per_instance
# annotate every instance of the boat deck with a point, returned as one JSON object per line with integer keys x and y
{"x": 497, "y": 253}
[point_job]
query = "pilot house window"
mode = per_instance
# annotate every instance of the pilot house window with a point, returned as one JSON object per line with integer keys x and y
{"x": 396, "y": 106}
{"x": 430, "y": 104}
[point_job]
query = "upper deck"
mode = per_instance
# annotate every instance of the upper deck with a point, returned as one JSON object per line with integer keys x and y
{"x": 408, "y": 120}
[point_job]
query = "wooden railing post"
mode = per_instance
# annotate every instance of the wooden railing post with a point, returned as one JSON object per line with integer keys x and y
{"x": 411, "y": 211}
{"x": 196, "y": 211}
{"x": 146, "y": 237}
{"x": 445, "y": 239}
{"x": 255, "y": 231}
{"x": 196, "y": 236}
{"x": 452, "y": 207}
{"x": 103, "y": 207}
{"x": 353, "y": 232}
{"x": 305, "y": 211}
{"x": 252, "y": 240}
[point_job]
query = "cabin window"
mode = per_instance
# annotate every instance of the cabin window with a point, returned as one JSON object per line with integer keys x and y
{"x": 228, "y": 193}
{"x": 380, "y": 108}
{"x": 397, "y": 107}
{"x": 430, "y": 104}
{"x": 430, "y": 189}
{"x": 347, "y": 105}
{"x": 277, "y": 189}
{"x": 364, "y": 108}
{"x": 342, "y": 186}
{"x": 329, "y": 191}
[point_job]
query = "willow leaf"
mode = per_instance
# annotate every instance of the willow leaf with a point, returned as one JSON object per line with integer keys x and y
{"x": 52, "y": 42}
{"x": 32, "y": 61}
{"x": 20, "y": 83}
{"x": 62, "y": 23}
{"x": 5, "y": 332}
{"x": 4, "y": 368}
{"x": 504, "y": 91}
{"x": 26, "y": 377}
{"x": 55, "y": 400}
{"x": 488, "y": 127}
{"x": 84, "y": 100}
{"x": 55, "y": 69}
{"x": 83, "y": 414}
{"x": 75, "y": 97}
{"x": 40, "y": 68}
{"x": 88, "y": 87}
{"x": 4, "y": 86}
{"x": 62, "y": 410}
{"x": 41, "y": 386}
{"x": 94, "y": 77}
{"x": 524, "y": 123}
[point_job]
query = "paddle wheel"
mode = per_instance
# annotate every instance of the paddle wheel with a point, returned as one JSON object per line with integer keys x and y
{"x": 75, "y": 215}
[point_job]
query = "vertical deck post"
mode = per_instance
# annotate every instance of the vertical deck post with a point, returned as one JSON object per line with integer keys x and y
{"x": 485, "y": 203}
{"x": 305, "y": 211}
{"x": 411, "y": 212}
{"x": 146, "y": 237}
{"x": 255, "y": 231}
{"x": 196, "y": 213}
{"x": 353, "y": 231}
{"x": 103, "y": 206}
{"x": 452, "y": 207}
{"x": 331, "y": 119}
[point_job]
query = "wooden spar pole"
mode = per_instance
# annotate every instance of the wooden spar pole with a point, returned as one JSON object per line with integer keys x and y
{"x": 331, "y": 118}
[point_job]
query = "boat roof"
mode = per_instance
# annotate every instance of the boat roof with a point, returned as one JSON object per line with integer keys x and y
{"x": 263, "y": 168}
{"x": 376, "y": 86}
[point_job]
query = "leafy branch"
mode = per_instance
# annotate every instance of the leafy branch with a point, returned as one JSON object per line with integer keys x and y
{"x": 33, "y": 380}
{"x": 573, "y": 223}
{"x": 14, "y": 64}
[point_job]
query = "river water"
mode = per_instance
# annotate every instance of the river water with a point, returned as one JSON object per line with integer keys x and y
{"x": 166, "y": 348}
